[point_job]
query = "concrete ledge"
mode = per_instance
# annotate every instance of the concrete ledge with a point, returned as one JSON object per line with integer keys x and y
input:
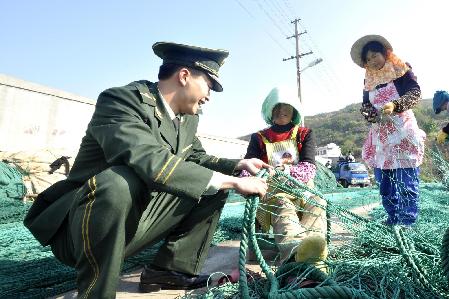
{"x": 34, "y": 87}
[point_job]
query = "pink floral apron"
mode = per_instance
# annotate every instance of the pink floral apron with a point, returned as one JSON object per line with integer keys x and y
{"x": 395, "y": 141}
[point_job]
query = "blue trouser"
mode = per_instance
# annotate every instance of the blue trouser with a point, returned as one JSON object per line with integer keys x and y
{"x": 399, "y": 189}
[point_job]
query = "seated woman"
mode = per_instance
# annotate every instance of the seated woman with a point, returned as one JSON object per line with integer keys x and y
{"x": 299, "y": 227}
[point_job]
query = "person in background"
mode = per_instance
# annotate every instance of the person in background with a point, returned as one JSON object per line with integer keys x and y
{"x": 395, "y": 144}
{"x": 141, "y": 176}
{"x": 350, "y": 157}
{"x": 440, "y": 103}
{"x": 298, "y": 227}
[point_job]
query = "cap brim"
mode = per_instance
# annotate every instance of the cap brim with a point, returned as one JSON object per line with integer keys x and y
{"x": 357, "y": 47}
{"x": 216, "y": 85}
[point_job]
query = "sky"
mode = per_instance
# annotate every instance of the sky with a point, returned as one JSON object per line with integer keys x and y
{"x": 84, "y": 47}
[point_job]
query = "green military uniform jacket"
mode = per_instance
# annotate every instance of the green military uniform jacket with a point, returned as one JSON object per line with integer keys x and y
{"x": 130, "y": 126}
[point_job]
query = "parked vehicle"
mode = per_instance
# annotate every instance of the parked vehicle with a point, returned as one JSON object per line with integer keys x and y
{"x": 351, "y": 174}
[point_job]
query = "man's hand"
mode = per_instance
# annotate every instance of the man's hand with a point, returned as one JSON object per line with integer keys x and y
{"x": 441, "y": 137}
{"x": 251, "y": 185}
{"x": 388, "y": 108}
{"x": 253, "y": 166}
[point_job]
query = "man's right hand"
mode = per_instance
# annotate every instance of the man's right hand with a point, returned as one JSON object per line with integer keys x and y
{"x": 247, "y": 185}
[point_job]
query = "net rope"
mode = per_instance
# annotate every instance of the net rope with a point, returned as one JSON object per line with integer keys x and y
{"x": 367, "y": 258}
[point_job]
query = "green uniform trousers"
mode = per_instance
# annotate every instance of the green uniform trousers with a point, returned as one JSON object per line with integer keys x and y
{"x": 114, "y": 215}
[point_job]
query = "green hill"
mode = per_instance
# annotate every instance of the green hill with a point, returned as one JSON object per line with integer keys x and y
{"x": 348, "y": 128}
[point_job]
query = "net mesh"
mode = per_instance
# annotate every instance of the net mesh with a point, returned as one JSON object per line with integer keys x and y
{"x": 367, "y": 259}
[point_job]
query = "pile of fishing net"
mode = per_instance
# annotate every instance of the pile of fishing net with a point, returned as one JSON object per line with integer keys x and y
{"x": 368, "y": 259}
{"x": 13, "y": 190}
{"x": 440, "y": 165}
{"x": 28, "y": 270}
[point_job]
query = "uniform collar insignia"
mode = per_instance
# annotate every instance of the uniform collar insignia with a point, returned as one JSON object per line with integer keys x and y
{"x": 158, "y": 113}
{"x": 151, "y": 97}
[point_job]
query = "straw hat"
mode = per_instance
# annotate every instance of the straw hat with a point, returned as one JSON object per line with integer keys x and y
{"x": 357, "y": 47}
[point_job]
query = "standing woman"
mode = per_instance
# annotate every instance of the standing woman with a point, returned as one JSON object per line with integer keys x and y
{"x": 395, "y": 144}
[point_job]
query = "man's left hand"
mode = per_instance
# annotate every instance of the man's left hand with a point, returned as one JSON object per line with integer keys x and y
{"x": 253, "y": 166}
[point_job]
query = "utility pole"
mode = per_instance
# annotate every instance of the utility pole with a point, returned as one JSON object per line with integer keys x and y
{"x": 297, "y": 56}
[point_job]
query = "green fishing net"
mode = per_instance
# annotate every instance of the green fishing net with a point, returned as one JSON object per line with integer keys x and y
{"x": 367, "y": 259}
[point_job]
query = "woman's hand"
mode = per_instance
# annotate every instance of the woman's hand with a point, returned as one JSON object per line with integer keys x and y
{"x": 441, "y": 137}
{"x": 388, "y": 108}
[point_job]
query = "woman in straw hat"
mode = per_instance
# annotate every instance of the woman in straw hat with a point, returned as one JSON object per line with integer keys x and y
{"x": 299, "y": 226}
{"x": 395, "y": 144}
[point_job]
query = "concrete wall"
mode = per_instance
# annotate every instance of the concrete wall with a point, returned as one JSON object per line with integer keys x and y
{"x": 35, "y": 117}
{"x": 223, "y": 147}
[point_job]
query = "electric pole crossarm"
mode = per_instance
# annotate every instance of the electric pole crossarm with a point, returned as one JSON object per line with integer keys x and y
{"x": 299, "y": 34}
{"x": 304, "y": 54}
{"x": 300, "y": 55}
{"x": 291, "y": 57}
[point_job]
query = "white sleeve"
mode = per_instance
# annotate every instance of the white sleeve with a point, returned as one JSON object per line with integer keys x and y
{"x": 215, "y": 183}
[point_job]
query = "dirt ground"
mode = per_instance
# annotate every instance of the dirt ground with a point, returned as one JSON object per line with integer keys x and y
{"x": 222, "y": 260}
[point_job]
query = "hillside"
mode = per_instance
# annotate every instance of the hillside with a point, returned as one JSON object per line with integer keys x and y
{"x": 348, "y": 129}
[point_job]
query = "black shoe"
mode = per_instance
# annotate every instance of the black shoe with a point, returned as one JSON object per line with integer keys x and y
{"x": 152, "y": 280}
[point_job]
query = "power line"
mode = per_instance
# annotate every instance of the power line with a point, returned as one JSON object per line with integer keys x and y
{"x": 308, "y": 42}
{"x": 268, "y": 33}
{"x": 278, "y": 10}
{"x": 327, "y": 71}
{"x": 273, "y": 20}
{"x": 277, "y": 13}
{"x": 289, "y": 7}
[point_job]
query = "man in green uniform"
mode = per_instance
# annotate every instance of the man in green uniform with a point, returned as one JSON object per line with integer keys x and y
{"x": 141, "y": 176}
